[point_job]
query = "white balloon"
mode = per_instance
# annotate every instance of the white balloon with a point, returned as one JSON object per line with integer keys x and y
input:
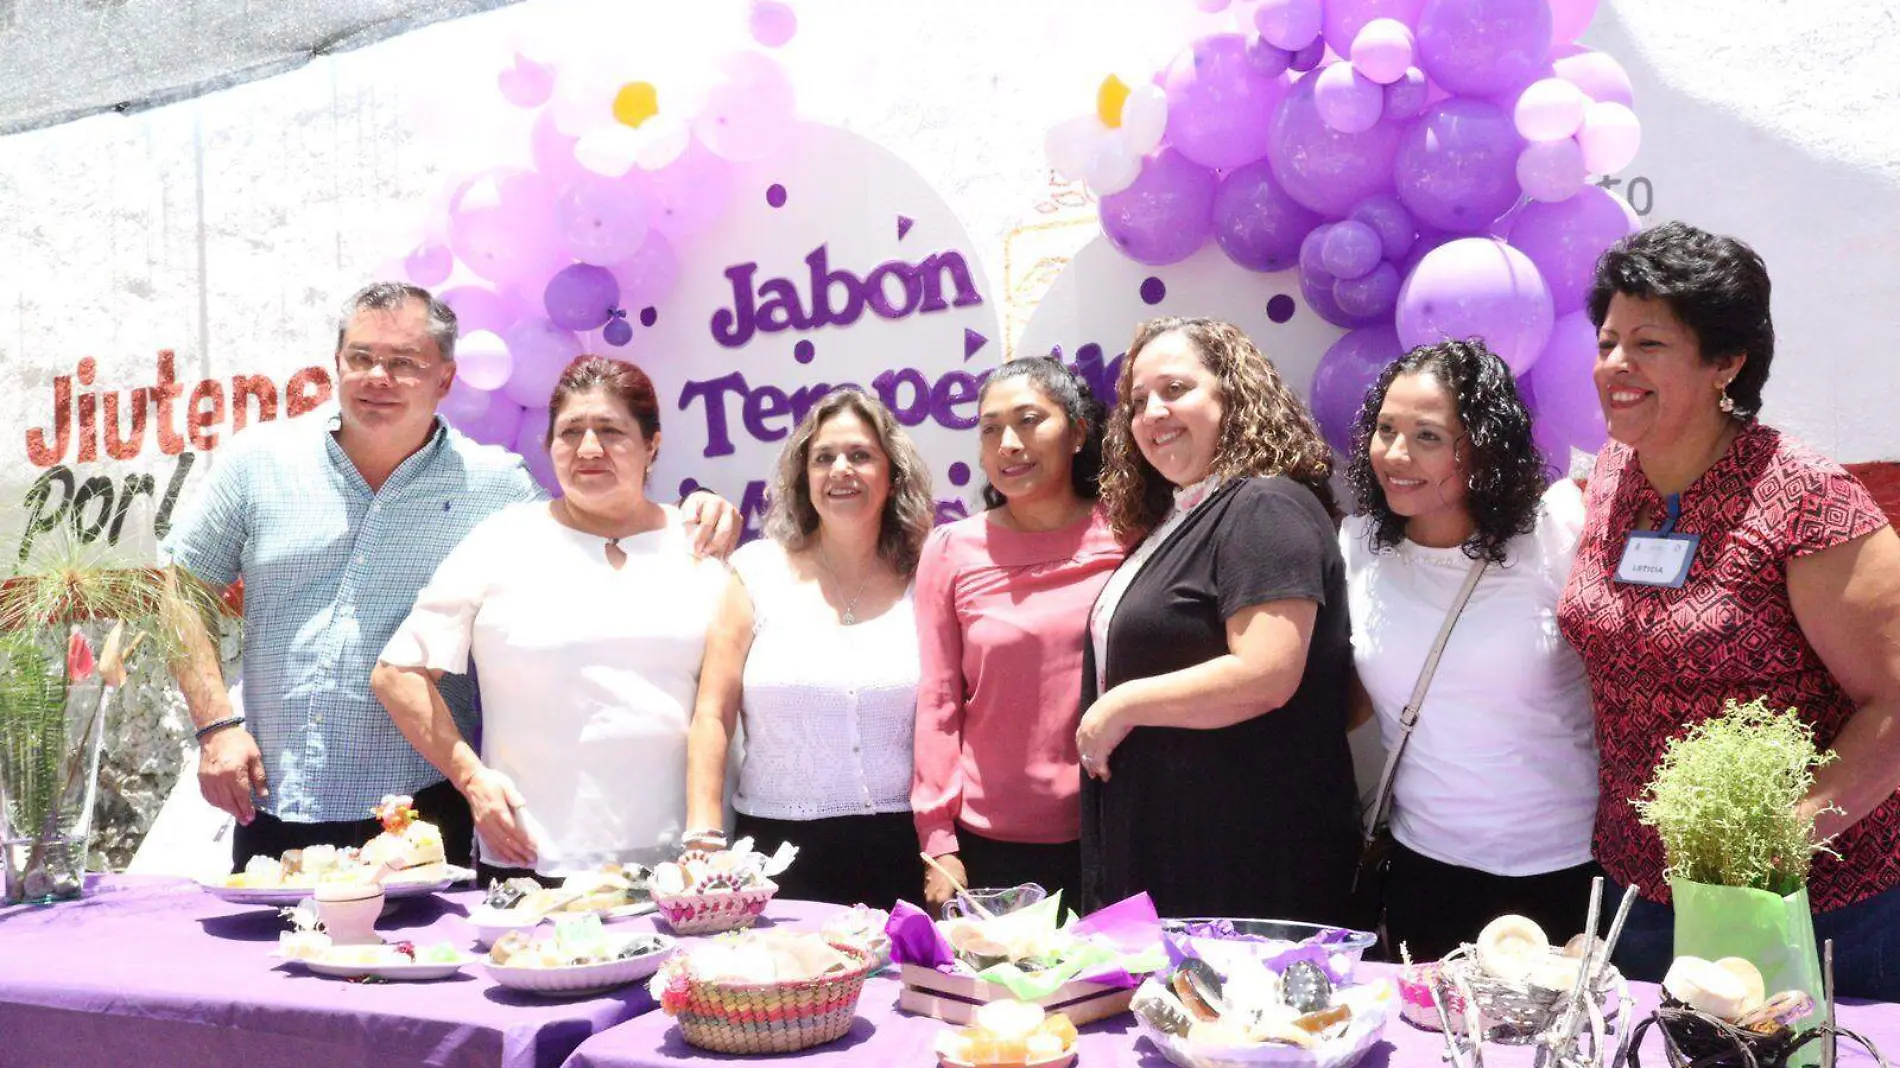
{"x": 609, "y": 150}
{"x": 663, "y": 138}
{"x": 1551, "y": 109}
{"x": 1145, "y": 118}
{"x": 1071, "y": 143}
{"x": 1610, "y": 136}
{"x": 1114, "y": 166}
{"x": 482, "y": 361}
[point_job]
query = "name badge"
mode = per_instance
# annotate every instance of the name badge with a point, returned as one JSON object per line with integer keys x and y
{"x": 1655, "y": 559}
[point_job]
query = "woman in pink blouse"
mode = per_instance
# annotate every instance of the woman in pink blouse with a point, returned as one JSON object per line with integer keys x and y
{"x": 1002, "y": 603}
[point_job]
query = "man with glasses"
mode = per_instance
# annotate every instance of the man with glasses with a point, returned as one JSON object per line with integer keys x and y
{"x": 335, "y": 525}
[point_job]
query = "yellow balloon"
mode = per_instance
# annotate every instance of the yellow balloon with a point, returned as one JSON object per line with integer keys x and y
{"x": 636, "y": 102}
{"x": 1108, "y": 101}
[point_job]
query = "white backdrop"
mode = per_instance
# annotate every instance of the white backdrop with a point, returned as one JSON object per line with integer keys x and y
{"x": 226, "y": 228}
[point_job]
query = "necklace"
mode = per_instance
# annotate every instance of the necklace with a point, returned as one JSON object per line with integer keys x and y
{"x": 850, "y": 617}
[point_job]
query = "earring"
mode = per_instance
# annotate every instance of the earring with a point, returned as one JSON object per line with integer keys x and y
{"x": 1727, "y": 404}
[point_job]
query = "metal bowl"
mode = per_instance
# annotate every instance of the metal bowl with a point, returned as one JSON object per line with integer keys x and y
{"x": 1346, "y": 953}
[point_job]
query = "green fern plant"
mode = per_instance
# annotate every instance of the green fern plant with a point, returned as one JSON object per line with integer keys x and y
{"x": 1726, "y": 799}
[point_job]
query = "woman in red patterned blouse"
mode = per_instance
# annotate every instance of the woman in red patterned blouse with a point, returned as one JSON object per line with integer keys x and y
{"x": 1793, "y": 590}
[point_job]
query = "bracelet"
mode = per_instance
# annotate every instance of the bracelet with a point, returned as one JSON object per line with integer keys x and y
{"x": 212, "y": 728}
{"x": 706, "y": 834}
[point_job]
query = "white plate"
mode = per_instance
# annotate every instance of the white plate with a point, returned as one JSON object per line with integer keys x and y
{"x": 1372, "y": 1003}
{"x": 394, "y": 887}
{"x": 583, "y": 979}
{"x": 403, "y": 972}
{"x": 490, "y": 924}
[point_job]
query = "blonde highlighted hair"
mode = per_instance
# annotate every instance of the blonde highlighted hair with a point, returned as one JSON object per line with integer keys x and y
{"x": 909, "y": 511}
{"x": 1264, "y": 428}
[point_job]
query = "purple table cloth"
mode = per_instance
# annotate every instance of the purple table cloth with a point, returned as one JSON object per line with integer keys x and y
{"x": 154, "y": 973}
{"x": 883, "y": 1037}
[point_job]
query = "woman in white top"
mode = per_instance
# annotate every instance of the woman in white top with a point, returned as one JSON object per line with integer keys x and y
{"x": 1495, "y": 795}
{"x": 815, "y": 646}
{"x": 587, "y": 619}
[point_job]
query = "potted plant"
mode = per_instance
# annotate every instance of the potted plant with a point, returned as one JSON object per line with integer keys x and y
{"x": 1726, "y": 801}
{"x": 66, "y": 633}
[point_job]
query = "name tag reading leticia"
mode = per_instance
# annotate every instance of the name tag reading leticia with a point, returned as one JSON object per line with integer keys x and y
{"x": 1659, "y": 557}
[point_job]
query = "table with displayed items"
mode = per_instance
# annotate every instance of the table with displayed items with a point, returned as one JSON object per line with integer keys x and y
{"x": 155, "y": 972}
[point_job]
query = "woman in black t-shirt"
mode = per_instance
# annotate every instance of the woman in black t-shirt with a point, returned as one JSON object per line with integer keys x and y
{"x": 1214, "y": 697}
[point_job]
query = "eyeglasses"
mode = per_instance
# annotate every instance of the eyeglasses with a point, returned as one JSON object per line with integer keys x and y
{"x": 400, "y": 368}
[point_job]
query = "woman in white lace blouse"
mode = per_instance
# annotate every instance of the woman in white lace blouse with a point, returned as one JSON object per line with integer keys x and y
{"x": 816, "y": 647}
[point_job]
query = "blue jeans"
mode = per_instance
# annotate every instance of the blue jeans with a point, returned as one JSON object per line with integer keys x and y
{"x": 1866, "y": 938}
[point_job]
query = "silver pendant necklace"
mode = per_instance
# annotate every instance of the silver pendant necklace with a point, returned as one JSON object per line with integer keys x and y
{"x": 850, "y": 617}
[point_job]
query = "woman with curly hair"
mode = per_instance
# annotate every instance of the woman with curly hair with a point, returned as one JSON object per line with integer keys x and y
{"x": 1215, "y": 686}
{"x": 814, "y": 645}
{"x": 1495, "y": 791}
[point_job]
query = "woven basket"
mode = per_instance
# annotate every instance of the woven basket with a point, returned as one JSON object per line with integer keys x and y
{"x": 1692, "y": 1037}
{"x": 724, "y": 910}
{"x": 773, "y": 1017}
{"x": 1513, "y": 1013}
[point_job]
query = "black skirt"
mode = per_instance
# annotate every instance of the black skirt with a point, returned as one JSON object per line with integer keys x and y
{"x": 845, "y": 860}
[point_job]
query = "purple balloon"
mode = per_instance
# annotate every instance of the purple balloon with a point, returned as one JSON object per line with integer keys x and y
{"x": 1167, "y": 215}
{"x": 1350, "y": 368}
{"x": 1351, "y": 249}
{"x": 478, "y": 308}
{"x": 1600, "y": 77}
{"x": 1316, "y": 288}
{"x": 541, "y": 351}
{"x": 1309, "y": 57}
{"x": 1565, "y": 383}
{"x": 1564, "y": 240}
{"x": 1481, "y": 47}
{"x": 648, "y": 276}
{"x": 601, "y": 220}
{"x": 1323, "y": 169}
{"x": 749, "y": 114}
{"x": 428, "y": 265}
{"x": 532, "y": 443}
{"x": 1395, "y": 226}
{"x": 1288, "y": 24}
{"x": 553, "y": 151}
{"x": 1457, "y": 167}
{"x": 1384, "y": 50}
{"x": 1551, "y": 170}
{"x": 527, "y": 84}
{"x": 498, "y": 424}
{"x": 1477, "y": 287}
{"x": 687, "y": 195}
{"x": 1220, "y": 106}
{"x": 581, "y": 297}
{"x": 1345, "y": 18}
{"x": 1373, "y": 295}
{"x": 1312, "y": 249}
{"x": 1256, "y": 223}
{"x": 1409, "y": 96}
{"x": 501, "y": 225}
{"x": 464, "y": 405}
{"x": 772, "y": 22}
{"x": 1348, "y": 101}
{"x": 1568, "y": 19}
{"x": 617, "y": 333}
{"x": 1268, "y": 61}
{"x": 1428, "y": 239}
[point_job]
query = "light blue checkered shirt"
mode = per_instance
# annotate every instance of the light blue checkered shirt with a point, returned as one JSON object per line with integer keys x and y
{"x": 330, "y": 570}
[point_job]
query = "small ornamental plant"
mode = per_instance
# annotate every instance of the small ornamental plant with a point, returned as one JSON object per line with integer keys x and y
{"x": 1726, "y": 800}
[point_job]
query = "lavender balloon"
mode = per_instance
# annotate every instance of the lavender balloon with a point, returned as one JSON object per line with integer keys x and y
{"x": 482, "y": 360}
{"x": 501, "y": 225}
{"x": 1609, "y": 138}
{"x": 1346, "y": 18}
{"x": 1482, "y": 47}
{"x": 1564, "y": 240}
{"x": 1348, "y": 101}
{"x": 1167, "y": 215}
{"x": 1600, "y": 77}
{"x": 1350, "y": 249}
{"x": 1568, "y": 19}
{"x": 1383, "y": 51}
{"x": 553, "y": 151}
{"x": 581, "y": 297}
{"x": 477, "y": 308}
{"x": 498, "y": 424}
{"x": 1288, "y": 24}
{"x": 647, "y": 276}
{"x": 1309, "y": 57}
{"x": 541, "y": 351}
{"x": 1313, "y": 251}
{"x": 1316, "y": 289}
{"x": 1256, "y": 224}
{"x": 601, "y": 220}
{"x": 464, "y": 405}
{"x": 531, "y": 441}
{"x": 688, "y": 195}
{"x": 527, "y": 84}
{"x": 772, "y": 22}
{"x": 749, "y": 115}
{"x": 1478, "y": 287}
{"x": 1220, "y": 106}
{"x": 1370, "y": 296}
{"x": 1409, "y": 96}
{"x": 1457, "y": 167}
{"x": 1565, "y": 384}
{"x": 428, "y": 265}
{"x": 1551, "y": 170}
{"x": 617, "y": 333}
{"x": 1395, "y": 226}
{"x": 1268, "y": 61}
{"x": 1323, "y": 169}
{"x": 1343, "y": 376}
{"x": 1551, "y": 109}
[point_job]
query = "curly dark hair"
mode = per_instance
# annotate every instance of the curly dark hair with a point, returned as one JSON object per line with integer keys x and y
{"x": 1070, "y": 392}
{"x": 1264, "y": 429}
{"x": 1716, "y": 285}
{"x": 1507, "y": 473}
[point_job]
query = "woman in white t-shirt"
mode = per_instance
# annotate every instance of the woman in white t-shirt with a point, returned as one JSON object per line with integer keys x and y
{"x": 815, "y": 647}
{"x": 1495, "y": 796}
{"x": 587, "y": 619}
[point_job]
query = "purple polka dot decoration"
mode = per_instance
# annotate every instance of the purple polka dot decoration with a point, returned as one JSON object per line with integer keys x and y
{"x": 1280, "y": 308}
{"x": 803, "y": 352}
{"x": 959, "y": 474}
{"x": 1153, "y": 290}
{"x": 775, "y": 195}
{"x": 649, "y": 316}
{"x": 688, "y": 487}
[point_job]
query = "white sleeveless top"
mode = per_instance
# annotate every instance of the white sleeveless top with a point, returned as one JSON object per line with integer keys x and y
{"x": 828, "y": 709}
